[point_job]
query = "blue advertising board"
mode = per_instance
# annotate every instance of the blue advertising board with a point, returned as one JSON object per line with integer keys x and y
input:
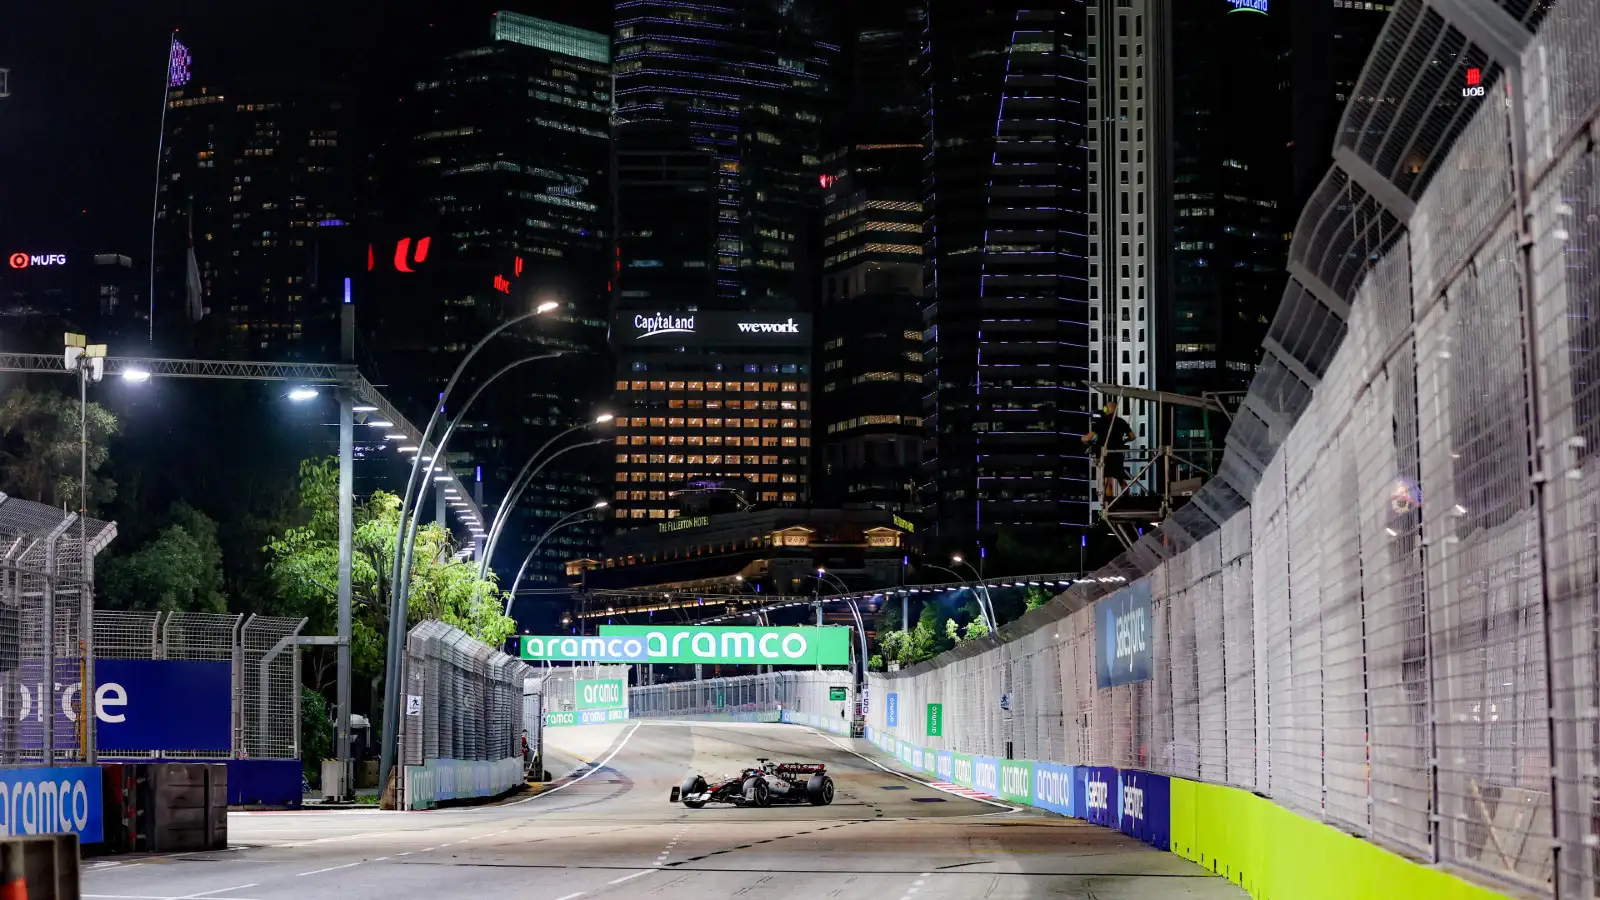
{"x": 986, "y": 775}
{"x": 944, "y": 765}
{"x": 1146, "y": 808}
{"x": 1056, "y": 788}
{"x": 891, "y": 709}
{"x": 141, "y": 704}
{"x": 1124, "y": 637}
{"x": 62, "y": 800}
{"x": 1102, "y": 795}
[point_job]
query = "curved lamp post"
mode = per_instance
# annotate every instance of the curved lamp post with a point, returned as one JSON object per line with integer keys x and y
{"x": 567, "y": 519}
{"x": 855, "y": 611}
{"x": 523, "y": 479}
{"x": 983, "y": 608}
{"x": 994, "y": 621}
{"x": 398, "y": 585}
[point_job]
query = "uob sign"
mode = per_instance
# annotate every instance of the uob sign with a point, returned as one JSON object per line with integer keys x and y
{"x": 1123, "y": 636}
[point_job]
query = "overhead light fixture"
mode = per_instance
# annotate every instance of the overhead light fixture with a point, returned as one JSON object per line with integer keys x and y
{"x": 408, "y": 449}
{"x": 441, "y": 478}
{"x": 135, "y": 376}
{"x": 394, "y": 437}
{"x": 547, "y": 306}
{"x": 364, "y": 408}
{"x": 303, "y": 393}
{"x": 381, "y": 423}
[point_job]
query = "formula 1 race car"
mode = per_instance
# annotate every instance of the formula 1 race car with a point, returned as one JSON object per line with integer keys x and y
{"x": 764, "y": 785}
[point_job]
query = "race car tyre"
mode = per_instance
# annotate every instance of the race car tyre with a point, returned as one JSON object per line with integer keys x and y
{"x": 819, "y": 790}
{"x": 692, "y": 784}
{"x": 757, "y": 793}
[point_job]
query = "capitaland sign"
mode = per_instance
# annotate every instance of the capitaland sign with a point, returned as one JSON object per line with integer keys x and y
{"x": 715, "y": 327}
{"x": 782, "y": 646}
{"x": 661, "y": 323}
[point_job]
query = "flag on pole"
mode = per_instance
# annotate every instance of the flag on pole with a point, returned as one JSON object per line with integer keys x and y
{"x": 192, "y": 284}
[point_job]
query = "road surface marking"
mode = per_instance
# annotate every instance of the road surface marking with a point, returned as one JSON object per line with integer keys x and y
{"x": 628, "y": 877}
{"x": 380, "y": 859}
{"x": 406, "y": 853}
{"x": 571, "y": 896}
{"x": 328, "y": 869}
{"x": 237, "y": 887}
{"x": 590, "y": 771}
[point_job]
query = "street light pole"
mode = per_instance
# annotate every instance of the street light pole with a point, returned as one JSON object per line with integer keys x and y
{"x": 347, "y": 429}
{"x": 521, "y": 482}
{"x": 994, "y": 623}
{"x": 89, "y": 361}
{"x": 400, "y": 571}
{"x": 564, "y": 520}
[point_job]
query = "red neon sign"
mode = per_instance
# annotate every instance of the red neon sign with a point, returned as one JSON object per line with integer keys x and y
{"x": 19, "y": 260}
{"x": 518, "y": 271}
{"x": 501, "y": 284}
{"x": 1474, "y": 76}
{"x": 402, "y": 250}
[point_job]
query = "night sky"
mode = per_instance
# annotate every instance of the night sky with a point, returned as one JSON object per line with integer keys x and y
{"x": 78, "y": 134}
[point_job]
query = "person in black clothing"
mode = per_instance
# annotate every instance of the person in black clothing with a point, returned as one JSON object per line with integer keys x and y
{"x": 1107, "y": 441}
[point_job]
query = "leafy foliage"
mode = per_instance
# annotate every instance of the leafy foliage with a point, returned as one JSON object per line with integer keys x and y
{"x": 1035, "y": 597}
{"x": 304, "y": 565}
{"x": 180, "y": 570}
{"x": 40, "y": 449}
{"x": 316, "y": 732}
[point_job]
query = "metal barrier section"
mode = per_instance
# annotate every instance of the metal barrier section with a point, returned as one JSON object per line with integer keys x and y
{"x": 559, "y": 691}
{"x": 46, "y": 607}
{"x": 463, "y": 699}
{"x": 820, "y": 695}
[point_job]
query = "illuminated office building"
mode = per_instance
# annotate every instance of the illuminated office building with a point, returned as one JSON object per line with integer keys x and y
{"x": 495, "y": 197}
{"x": 1010, "y": 307}
{"x": 734, "y": 92}
{"x": 705, "y": 397}
{"x": 261, "y": 178}
{"x": 869, "y": 317}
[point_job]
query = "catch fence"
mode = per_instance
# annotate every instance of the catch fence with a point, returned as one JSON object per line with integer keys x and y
{"x": 1383, "y": 612}
{"x": 46, "y": 601}
{"x": 463, "y": 699}
{"x": 805, "y": 693}
{"x": 264, "y": 673}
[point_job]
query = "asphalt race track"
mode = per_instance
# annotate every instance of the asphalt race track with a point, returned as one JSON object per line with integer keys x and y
{"x": 614, "y": 835}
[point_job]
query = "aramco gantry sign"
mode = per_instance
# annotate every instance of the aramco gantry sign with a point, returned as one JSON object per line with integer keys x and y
{"x": 783, "y": 646}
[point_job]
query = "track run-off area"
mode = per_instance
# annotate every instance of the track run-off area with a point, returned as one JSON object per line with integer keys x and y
{"x": 614, "y": 834}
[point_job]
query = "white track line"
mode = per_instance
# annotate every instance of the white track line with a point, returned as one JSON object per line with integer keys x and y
{"x": 571, "y": 896}
{"x": 237, "y": 887}
{"x": 328, "y": 869}
{"x": 629, "y": 877}
{"x": 593, "y": 768}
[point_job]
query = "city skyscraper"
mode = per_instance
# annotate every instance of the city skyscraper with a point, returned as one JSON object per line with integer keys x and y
{"x": 719, "y": 111}
{"x": 869, "y": 317}
{"x": 1009, "y": 307}
{"x": 1231, "y": 200}
{"x": 260, "y": 180}
{"x": 494, "y": 196}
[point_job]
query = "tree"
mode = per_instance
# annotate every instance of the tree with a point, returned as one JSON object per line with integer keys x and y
{"x": 1035, "y": 597}
{"x": 180, "y": 570}
{"x": 304, "y": 564}
{"x": 40, "y": 453}
{"x": 977, "y": 628}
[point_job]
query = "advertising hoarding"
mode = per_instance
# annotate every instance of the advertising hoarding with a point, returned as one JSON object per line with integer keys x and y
{"x": 1146, "y": 808}
{"x": 891, "y": 709}
{"x": 1056, "y": 788}
{"x": 62, "y": 800}
{"x": 605, "y": 693}
{"x": 1102, "y": 795}
{"x": 805, "y": 645}
{"x": 935, "y": 720}
{"x": 141, "y": 704}
{"x": 1124, "y": 637}
{"x": 700, "y": 328}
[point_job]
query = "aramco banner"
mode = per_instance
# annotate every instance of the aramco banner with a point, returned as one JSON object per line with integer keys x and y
{"x": 787, "y": 646}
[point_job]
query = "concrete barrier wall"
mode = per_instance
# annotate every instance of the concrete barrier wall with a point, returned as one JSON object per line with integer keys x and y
{"x": 443, "y": 780}
{"x": 40, "y": 867}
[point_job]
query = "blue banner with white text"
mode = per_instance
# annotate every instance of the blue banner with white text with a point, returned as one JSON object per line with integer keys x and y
{"x": 1146, "y": 808}
{"x": 1102, "y": 795}
{"x": 1056, "y": 788}
{"x": 63, "y": 800}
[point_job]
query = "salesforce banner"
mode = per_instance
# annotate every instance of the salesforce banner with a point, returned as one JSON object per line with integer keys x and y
{"x": 1124, "y": 633}
{"x": 1056, "y": 788}
{"x": 141, "y": 704}
{"x": 1102, "y": 795}
{"x": 1146, "y": 808}
{"x": 51, "y": 801}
